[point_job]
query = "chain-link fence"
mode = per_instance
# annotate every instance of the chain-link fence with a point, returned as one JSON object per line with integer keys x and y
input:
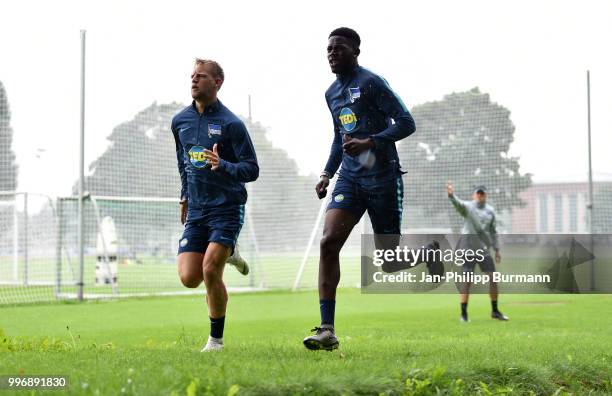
{"x": 131, "y": 216}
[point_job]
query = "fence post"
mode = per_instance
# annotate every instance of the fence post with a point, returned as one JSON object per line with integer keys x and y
{"x": 58, "y": 249}
{"x": 25, "y": 237}
{"x": 15, "y": 241}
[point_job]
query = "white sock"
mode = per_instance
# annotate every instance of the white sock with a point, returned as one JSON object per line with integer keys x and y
{"x": 213, "y": 340}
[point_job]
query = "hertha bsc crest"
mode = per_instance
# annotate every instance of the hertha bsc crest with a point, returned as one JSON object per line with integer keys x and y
{"x": 214, "y": 129}
{"x": 354, "y": 94}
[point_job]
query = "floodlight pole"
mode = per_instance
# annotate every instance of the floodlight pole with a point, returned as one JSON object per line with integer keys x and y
{"x": 590, "y": 206}
{"x": 81, "y": 171}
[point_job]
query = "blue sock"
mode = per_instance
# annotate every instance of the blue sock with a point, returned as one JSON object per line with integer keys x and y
{"x": 216, "y": 327}
{"x": 328, "y": 310}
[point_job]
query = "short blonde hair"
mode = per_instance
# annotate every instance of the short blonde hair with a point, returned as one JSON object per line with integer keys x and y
{"x": 216, "y": 69}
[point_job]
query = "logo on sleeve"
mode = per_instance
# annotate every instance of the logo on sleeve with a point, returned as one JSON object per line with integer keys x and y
{"x": 196, "y": 157}
{"x": 214, "y": 129}
{"x": 348, "y": 119}
{"x": 354, "y": 94}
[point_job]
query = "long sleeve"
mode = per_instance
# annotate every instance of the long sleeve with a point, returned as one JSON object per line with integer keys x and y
{"x": 335, "y": 154}
{"x": 459, "y": 205}
{"x": 390, "y": 104}
{"x": 246, "y": 169}
{"x": 180, "y": 158}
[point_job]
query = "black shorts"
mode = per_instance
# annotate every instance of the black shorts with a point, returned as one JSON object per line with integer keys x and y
{"x": 383, "y": 201}
{"x": 221, "y": 225}
{"x": 486, "y": 265}
{"x": 474, "y": 243}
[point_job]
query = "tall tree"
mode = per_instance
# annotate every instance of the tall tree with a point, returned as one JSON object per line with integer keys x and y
{"x": 463, "y": 138}
{"x": 137, "y": 160}
{"x": 283, "y": 203}
{"x": 141, "y": 162}
{"x": 8, "y": 164}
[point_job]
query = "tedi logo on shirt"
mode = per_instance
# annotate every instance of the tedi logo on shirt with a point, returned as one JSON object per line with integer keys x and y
{"x": 348, "y": 119}
{"x": 196, "y": 157}
{"x": 214, "y": 129}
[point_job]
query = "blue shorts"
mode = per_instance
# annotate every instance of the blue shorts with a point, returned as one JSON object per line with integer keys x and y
{"x": 383, "y": 201}
{"x": 220, "y": 224}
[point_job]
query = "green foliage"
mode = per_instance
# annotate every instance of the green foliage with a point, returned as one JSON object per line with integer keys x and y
{"x": 463, "y": 138}
{"x": 32, "y": 344}
{"x": 281, "y": 196}
{"x": 8, "y": 164}
{"x": 141, "y": 161}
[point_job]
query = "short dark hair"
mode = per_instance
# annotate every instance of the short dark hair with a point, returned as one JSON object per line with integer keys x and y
{"x": 347, "y": 33}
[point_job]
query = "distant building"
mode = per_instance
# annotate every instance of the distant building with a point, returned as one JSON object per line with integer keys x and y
{"x": 554, "y": 208}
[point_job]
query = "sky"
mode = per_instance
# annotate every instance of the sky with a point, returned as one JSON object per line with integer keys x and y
{"x": 530, "y": 56}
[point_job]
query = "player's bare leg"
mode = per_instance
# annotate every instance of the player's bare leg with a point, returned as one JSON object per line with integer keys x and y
{"x": 190, "y": 269}
{"x": 338, "y": 226}
{"x": 216, "y": 294}
{"x": 213, "y": 265}
{"x": 193, "y": 268}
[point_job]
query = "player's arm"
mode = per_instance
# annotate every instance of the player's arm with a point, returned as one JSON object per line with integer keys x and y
{"x": 335, "y": 154}
{"x": 390, "y": 104}
{"x": 333, "y": 162}
{"x": 459, "y": 205}
{"x": 494, "y": 239}
{"x": 180, "y": 158}
{"x": 246, "y": 169}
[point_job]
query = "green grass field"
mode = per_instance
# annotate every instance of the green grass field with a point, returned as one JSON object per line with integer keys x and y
{"x": 155, "y": 275}
{"x": 390, "y": 344}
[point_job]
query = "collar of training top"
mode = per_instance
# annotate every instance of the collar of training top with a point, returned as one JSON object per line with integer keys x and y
{"x": 209, "y": 109}
{"x": 349, "y": 75}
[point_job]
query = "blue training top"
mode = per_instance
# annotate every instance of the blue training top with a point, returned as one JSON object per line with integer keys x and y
{"x": 363, "y": 105}
{"x": 193, "y": 132}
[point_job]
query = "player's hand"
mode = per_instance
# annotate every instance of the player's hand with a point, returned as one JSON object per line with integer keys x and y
{"x": 354, "y": 146}
{"x": 183, "y": 204}
{"x": 212, "y": 157}
{"x": 321, "y": 187}
{"x": 449, "y": 189}
{"x": 497, "y": 257}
